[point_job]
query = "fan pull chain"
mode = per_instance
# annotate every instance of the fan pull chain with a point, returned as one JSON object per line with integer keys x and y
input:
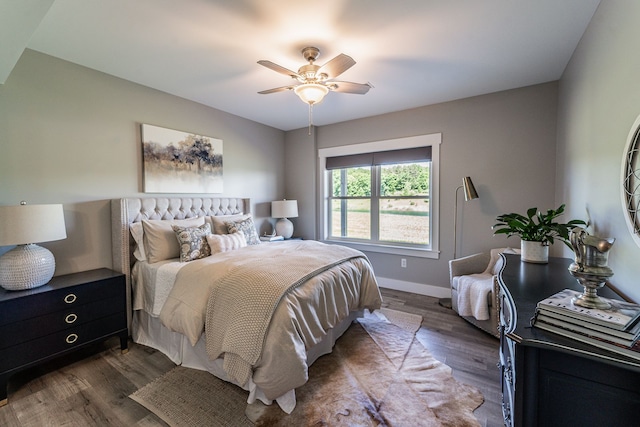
{"x": 310, "y": 117}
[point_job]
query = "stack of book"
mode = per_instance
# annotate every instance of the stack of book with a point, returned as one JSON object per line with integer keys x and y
{"x": 616, "y": 329}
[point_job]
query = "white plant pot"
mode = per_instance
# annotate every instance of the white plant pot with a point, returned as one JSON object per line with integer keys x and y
{"x": 534, "y": 252}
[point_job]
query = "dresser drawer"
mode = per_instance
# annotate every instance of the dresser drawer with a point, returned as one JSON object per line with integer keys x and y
{"x": 50, "y": 345}
{"x": 59, "y": 294}
{"x": 41, "y": 303}
{"x": 36, "y": 327}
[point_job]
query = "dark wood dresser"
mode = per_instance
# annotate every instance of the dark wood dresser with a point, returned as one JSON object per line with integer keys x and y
{"x": 69, "y": 312}
{"x": 549, "y": 380}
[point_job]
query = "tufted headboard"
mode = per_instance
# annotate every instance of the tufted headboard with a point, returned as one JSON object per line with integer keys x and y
{"x": 124, "y": 212}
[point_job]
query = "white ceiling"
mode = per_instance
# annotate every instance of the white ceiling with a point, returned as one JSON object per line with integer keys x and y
{"x": 414, "y": 52}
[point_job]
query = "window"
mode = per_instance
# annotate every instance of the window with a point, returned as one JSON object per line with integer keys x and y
{"x": 382, "y": 196}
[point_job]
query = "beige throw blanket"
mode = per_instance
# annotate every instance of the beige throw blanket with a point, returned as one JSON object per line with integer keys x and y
{"x": 242, "y": 303}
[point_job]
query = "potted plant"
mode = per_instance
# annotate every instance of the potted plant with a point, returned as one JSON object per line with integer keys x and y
{"x": 537, "y": 231}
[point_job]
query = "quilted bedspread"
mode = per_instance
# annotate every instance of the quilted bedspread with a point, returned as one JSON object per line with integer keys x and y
{"x": 242, "y": 303}
{"x": 265, "y": 305}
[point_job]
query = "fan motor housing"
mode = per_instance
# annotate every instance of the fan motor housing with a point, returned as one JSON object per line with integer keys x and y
{"x": 310, "y": 53}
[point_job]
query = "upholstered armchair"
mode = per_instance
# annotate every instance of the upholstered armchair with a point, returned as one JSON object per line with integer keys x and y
{"x": 474, "y": 288}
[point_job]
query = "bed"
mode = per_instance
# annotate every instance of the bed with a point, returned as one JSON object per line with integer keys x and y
{"x": 198, "y": 308}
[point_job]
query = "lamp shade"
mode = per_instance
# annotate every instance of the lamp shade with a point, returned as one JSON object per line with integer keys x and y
{"x": 470, "y": 192}
{"x": 284, "y": 209}
{"x": 25, "y": 224}
{"x": 311, "y": 93}
{"x": 28, "y": 265}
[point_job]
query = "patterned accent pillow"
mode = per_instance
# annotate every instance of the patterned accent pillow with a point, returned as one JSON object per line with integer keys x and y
{"x": 160, "y": 240}
{"x": 219, "y": 223}
{"x": 193, "y": 242}
{"x": 226, "y": 242}
{"x": 247, "y": 227}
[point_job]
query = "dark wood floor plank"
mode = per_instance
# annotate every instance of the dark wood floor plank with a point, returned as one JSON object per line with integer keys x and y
{"x": 91, "y": 387}
{"x": 109, "y": 390}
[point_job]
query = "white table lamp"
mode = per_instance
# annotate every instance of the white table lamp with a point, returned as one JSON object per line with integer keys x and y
{"x": 29, "y": 265}
{"x": 284, "y": 209}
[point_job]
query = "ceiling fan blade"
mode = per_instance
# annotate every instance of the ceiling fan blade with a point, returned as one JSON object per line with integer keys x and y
{"x": 350, "y": 87}
{"x": 337, "y": 66}
{"x": 276, "y": 89}
{"x": 278, "y": 68}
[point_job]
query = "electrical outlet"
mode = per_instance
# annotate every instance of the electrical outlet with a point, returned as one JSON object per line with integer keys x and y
{"x": 403, "y": 262}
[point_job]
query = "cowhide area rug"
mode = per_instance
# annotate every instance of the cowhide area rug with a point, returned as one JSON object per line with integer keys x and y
{"x": 379, "y": 374}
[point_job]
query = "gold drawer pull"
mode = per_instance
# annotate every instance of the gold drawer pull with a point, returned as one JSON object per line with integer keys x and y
{"x": 70, "y": 299}
{"x": 71, "y": 338}
{"x": 71, "y": 318}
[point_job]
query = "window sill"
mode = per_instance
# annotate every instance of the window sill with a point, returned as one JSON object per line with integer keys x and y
{"x": 387, "y": 249}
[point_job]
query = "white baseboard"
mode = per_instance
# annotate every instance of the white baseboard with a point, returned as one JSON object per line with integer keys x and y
{"x": 416, "y": 288}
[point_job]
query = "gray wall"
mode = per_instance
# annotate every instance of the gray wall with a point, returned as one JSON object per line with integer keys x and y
{"x": 599, "y": 100}
{"x": 71, "y": 135}
{"x": 505, "y": 141}
{"x": 300, "y": 175}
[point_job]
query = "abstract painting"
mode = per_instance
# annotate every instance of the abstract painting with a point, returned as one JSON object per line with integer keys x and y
{"x": 180, "y": 162}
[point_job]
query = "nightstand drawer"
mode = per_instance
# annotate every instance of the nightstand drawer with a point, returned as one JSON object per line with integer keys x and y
{"x": 48, "y": 346}
{"x": 30, "y": 329}
{"x": 39, "y": 303}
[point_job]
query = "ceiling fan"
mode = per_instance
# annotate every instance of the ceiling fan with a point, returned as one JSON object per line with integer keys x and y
{"x": 315, "y": 81}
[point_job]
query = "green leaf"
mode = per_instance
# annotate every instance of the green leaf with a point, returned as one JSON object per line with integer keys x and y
{"x": 537, "y": 226}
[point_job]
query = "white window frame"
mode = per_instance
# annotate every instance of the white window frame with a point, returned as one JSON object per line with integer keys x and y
{"x": 433, "y": 140}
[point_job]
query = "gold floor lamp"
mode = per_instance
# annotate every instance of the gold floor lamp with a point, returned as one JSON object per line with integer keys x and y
{"x": 470, "y": 193}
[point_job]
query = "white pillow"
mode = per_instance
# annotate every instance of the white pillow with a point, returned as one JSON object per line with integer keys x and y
{"x": 496, "y": 262}
{"x": 160, "y": 241}
{"x": 226, "y": 242}
{"x": 137, "y": 232}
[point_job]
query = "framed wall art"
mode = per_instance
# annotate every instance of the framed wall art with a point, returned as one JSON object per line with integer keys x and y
{"x": 180, "y": 162}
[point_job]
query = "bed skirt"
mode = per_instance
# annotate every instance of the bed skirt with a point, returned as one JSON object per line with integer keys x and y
{"x": 147, "y": 330}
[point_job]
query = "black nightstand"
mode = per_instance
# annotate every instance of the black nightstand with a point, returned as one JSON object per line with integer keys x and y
{"x": 67, "y": 313}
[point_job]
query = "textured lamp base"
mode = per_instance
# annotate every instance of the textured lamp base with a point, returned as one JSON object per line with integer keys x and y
{"x": 26, "y": 267}
{"x": 284, "y": 228}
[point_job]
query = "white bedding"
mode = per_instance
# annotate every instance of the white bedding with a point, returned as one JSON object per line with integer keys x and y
{"x": 152, "y": 284}
{"x": 304, "y": 317}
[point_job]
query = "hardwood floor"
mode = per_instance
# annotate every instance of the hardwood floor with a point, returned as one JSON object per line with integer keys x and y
{"x": 91, "y": 387}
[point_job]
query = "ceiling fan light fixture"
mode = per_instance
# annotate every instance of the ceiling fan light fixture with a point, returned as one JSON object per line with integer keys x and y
{"x": 311, "y": 93}
{"x": 316, "y": 81}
